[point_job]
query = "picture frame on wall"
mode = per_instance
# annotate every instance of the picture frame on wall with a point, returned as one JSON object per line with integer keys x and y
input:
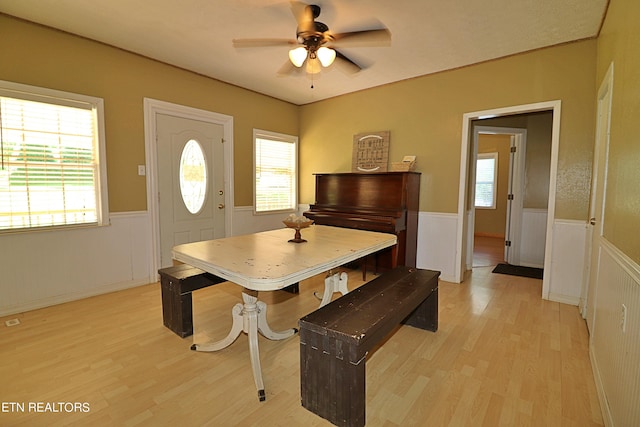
{"x": 370, "y": 152}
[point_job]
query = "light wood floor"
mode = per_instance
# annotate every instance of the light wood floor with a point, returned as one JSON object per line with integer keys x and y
{"x": 487, "y": 251}
{"x": 502, "y": 356}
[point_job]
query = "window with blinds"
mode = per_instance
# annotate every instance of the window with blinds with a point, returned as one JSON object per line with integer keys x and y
{"x": 51, "y": 173}
{"x": 486, "y": 180}
{"x": 275, "y": 165}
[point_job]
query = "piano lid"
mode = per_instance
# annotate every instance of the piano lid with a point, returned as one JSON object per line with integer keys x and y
{"x": 377, "y": 191}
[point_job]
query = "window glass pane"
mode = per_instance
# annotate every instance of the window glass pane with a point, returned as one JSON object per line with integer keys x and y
{"x": 49, "y": 170}
{"x": 193, "y": 176}
{"x": 486, "y": 175}
{"x": 275, "y": 174}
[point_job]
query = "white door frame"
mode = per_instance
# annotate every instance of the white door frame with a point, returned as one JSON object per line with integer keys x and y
{"x": 463, "y": 223}
{"x": 152, "y": 108}
{"x": 516, "y": 180}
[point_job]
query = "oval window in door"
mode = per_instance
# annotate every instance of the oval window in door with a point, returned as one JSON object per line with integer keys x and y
{"x": 193, "y": 176}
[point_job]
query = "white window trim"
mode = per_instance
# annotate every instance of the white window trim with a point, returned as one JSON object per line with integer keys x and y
{"x": 40, "y": 94}
{"x": 494, "y": 156}
{"x": 258, "y": 133}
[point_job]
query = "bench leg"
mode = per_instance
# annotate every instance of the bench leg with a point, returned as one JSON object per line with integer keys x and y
{"x": 292, "y": 289}
{"x": 177, "y": 310}
{"x": 425, "y": 316}
{"x": 331, "y": 387}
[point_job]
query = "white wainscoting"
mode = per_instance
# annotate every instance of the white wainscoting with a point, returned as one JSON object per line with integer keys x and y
{"x": 533, "y": 237}
{"x": 437, "y": 243}
{"x": 245, "y": 221}
{"x": 44, "y": 268}
{"x": 566, "y": 274}
{"x": 614, "y": 351}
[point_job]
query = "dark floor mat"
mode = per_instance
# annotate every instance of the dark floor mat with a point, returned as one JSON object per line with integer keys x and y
{"x": 516, "y": 270}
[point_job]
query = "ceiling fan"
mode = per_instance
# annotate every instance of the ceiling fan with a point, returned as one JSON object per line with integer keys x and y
{"x": 316, "y": 45}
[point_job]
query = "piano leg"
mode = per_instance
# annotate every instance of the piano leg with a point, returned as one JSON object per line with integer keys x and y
{"x": 250, "y": 318}
{"x": 333, "y": 283}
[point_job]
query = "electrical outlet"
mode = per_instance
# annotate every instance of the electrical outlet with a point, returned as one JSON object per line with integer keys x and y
{"x": 623, "y": 319}
{"x": 12, "y": 322}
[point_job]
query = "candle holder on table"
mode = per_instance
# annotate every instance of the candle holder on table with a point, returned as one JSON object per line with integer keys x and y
{"x": 297, "y": 223}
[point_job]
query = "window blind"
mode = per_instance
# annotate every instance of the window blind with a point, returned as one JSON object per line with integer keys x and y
{"x": 49, "y": 168}
{"x": 275, "y": 174}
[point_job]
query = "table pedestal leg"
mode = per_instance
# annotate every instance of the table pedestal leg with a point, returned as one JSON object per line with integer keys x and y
{"x": 333, "y": 283}
{"x": 250, "y": 318}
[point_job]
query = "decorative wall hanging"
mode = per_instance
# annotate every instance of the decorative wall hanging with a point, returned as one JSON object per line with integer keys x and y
{"x": 370, "y": 152}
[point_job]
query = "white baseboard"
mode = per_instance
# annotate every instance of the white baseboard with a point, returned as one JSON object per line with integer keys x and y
{"x": 71, "y": 296}
{"x": 564, "y": 299}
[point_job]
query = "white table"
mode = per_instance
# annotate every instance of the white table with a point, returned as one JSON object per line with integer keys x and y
{"x": 266, "y": 261}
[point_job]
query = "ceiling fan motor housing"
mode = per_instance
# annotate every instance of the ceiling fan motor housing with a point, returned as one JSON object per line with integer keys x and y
{"x": 314, "y": 39}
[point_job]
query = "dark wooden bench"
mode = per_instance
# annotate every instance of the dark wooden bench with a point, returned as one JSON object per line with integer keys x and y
{"x": 335, "y": 339}
{"x": 177, "y": 283}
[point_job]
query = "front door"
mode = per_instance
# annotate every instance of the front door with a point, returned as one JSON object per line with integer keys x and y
{"x": 190, "y": 182}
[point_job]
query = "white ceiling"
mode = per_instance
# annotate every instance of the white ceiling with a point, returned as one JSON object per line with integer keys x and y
{"x": 428, "y": 36}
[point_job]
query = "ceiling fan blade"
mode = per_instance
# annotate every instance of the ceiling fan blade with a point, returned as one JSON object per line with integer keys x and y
{"x": 304, "y": 16}
{"x": 364, "y": 38}
{"x": 241, "y": 43}
{"x": 345, "y": 64}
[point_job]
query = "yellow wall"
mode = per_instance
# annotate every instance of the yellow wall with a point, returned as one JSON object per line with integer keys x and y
{"x": 36, "y": 55}
{"x": 425, "y": 114}
{"x": 619, "y": 42}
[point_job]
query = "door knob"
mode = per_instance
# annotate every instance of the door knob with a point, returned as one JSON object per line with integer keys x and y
{"x": 592, "y": 221}
{"x": 221, "y": 206}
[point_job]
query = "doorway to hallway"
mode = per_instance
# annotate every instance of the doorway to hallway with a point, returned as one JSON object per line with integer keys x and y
{"x": 500, "y": 217}
{"x": 464, "y": 244}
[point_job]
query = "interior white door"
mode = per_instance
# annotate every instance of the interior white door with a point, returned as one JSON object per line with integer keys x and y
{"x": 513, "y": 229}
{"x": 595, "y": 226}
{"x": 190, "y": 158}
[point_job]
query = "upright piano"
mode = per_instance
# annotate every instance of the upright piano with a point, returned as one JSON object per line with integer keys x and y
{"x": 385, "y": 201}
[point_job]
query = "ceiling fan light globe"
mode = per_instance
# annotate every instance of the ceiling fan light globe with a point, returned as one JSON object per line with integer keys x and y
{"x": 313, "y": 66}
{"x": 326, "y": 56}
{"x": 297, "y": 56}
